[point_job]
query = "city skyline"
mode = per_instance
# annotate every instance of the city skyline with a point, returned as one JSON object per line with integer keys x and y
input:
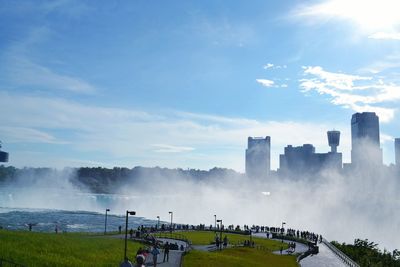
{"x": 183, "y": 84}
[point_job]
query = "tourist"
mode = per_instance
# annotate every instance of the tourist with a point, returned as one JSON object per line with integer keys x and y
{"x": 155, "y": 253}
{"x": 140, "y": 259}
{"x": 166, "y": 251}
{"x": 126, "y": 263}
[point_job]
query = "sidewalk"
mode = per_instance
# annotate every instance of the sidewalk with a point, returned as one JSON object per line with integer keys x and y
{"x": 325, "y": 258}
{"x": 300, "y": 247}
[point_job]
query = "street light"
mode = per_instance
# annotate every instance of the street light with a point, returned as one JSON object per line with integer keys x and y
{"x": 158, "y": 223}
{"x": 172, "y": 214}
{"x": 105, "y": 222}
{"x": 282, "y": 230}
{"x": 215, "y": 222}
{"x": 220, "y": 233}
{"x": 126, "y": 230}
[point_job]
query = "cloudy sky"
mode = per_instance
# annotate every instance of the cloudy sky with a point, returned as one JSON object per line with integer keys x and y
{"x": 184, "y": 83}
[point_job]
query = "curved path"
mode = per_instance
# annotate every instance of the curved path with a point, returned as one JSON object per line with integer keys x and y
{"x": 325, "y": 258}
{"x": 300, "y": 247}
{"x": 175, "y": 256}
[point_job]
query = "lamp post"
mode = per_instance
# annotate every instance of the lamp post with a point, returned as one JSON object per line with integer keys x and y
{"x": 282, "y": 230}
{"x": 215, "y": 222}
{"x": 158, "y": 223}
{"x": 220, "y": 233}
{"x": 126, "y": 230}
{"x": 105, "y": 222}
{"x": 172, "y": 214}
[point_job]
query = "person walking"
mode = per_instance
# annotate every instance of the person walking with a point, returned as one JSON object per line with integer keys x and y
{"x": 166, "y": 251}
{"x": 155, "y": 253}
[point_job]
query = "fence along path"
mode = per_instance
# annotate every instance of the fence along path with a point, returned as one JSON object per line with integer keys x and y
{"x": 346, "y": 260}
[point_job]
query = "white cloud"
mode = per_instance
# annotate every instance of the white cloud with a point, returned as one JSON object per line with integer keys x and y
{"x": 369, "y": 15}
{"x": 164, "y": 148}
{"x": 24, "y": 72}
{"x": 265, "y": 82}
{"x": 272, "y": 66}
{"x": 128, "y": 137}
{"x": 28, "y": 135}
{"x": 391, "y": 61}
{"x": 268, "y": 66}
{"x": 21, "y": 70}
{"x": 352, "y": 91}
{"x": 385, "y": 35}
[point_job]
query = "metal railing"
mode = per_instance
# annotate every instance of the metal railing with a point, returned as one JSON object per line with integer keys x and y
{"x": 346, "y": 259}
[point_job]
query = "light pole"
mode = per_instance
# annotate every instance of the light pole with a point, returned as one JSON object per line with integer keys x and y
{"x": 282, "y": 230}
{"x": 126, "y": 230}
{"x": 215, "y": 222}
{"x": 172, "y": 214}
{"x": 220, "y": 233}
{"x": 105, "y": 222}
{"x": 158, "y": 223}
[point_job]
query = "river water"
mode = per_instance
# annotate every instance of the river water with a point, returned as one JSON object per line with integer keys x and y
{"x": 69, "y": 211}
{"x": 46, "y": 220}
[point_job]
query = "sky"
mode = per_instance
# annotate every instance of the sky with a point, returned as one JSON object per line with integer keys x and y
{"x": 182, "y": 84}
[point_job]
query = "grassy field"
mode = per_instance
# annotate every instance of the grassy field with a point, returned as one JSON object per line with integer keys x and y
{"x": 237, "y": 257}
{"x": 44, "y": 249}
{"x": 49, "y": 249}
{"x": 207, "y": 237}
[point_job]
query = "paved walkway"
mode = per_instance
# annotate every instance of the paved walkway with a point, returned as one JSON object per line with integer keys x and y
{"x": 300, "y": 247}
{"x": 325, "y": 258}
{"x": 175, "y": 256}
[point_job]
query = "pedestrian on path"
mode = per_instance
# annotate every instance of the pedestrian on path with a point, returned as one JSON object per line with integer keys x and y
{"x": 155, "y": 253}
{"x": 166, "y": 251}
{"x": 140, "y": 261}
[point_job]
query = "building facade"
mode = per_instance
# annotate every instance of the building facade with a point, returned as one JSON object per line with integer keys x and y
{"x": 302, "y": 161}
{"x": 397, "y": 151}
{"x": 258, "y": 157}
{"x": 365, "y": 141}
{"x": 3, "y": 155}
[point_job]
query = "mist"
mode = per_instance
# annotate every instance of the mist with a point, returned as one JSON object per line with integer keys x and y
{"x": 357, "y": 203}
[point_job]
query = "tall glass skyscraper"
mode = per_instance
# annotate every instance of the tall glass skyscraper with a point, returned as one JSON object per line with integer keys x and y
{"x": 397, "y": 151}
{"x": 365, "y": 142}
{"x": 258, "y": 157}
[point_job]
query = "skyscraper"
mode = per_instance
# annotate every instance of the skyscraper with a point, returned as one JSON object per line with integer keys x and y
{"x": 397, "y": 151}
{"x": 302, "y": 160}
{"x": 365, "y": 142}
{"x": 3, "y": 155}
{"x": 258, "y": 156}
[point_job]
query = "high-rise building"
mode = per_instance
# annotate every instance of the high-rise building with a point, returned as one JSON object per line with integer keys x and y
{"x": 397, "y": 151}
{"x": 258, "y": 157}
{"x": 302, "y": 160}
{"x": 3, "y": 155}
{"x": 365, "y": 143}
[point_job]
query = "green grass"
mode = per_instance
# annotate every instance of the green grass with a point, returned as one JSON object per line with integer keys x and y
{"x": 44, "y": 249}
{"x": 207, "y": 237}
{"x": 237, "y": 257}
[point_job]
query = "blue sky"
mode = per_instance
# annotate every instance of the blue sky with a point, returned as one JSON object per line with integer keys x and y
{"x": 182, "y": 84}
